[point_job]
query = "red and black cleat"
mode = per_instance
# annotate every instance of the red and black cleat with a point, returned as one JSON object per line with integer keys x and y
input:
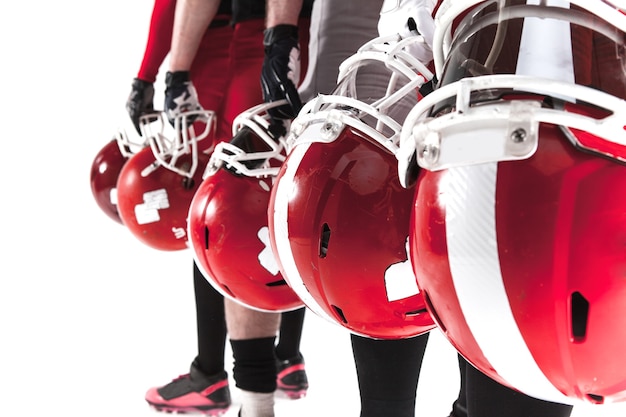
{"x": 291, "y": 377}
{"x": 194, "y": 392}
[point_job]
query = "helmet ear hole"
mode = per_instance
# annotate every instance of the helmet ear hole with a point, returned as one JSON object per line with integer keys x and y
{"x": 579, "y": 316}
{"x": 324, "y": 239}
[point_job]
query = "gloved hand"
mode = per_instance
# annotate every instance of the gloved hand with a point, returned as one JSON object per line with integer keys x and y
{"x": 410, "y": 18}
{"x": 140, "y": 101}
{"x": 180, "y": 95}
{"x": 280, "y": 73}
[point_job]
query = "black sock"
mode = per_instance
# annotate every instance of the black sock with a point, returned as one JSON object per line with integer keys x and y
{"x": 291, "y": 323}
{"x": 211, "y": 325}
{"x": 488, "y": 398}
{"x": 459, "y": 407}
{"x": 388, "y": 371}
{"x": 255, "y": 364}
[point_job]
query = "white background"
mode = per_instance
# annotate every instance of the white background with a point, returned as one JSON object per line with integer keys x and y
{"x": 89, "y": 317}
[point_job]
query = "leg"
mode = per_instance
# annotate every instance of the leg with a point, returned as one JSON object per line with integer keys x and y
{"x": 290, "y": 334}
{"x": 205, "y": 387}
{"x": 211, "y": 325}
{"x": 388, "y": 371}
{"x": 487, "y": 398}
{"x": 252, "y": 336}
{"x": 459, "y": 407}
{"x": 291, "y": 377}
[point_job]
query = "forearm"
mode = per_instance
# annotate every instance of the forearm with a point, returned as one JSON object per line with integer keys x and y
{"x": 192, "y": 19}
{"x": 282, "y": 12}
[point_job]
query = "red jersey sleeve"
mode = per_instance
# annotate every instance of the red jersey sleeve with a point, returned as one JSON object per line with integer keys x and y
{"x": 159, "y": 39}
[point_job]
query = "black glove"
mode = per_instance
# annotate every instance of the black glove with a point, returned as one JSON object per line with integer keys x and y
{"x": 281, "y": 70}
{"x": 180, "y": 95}
{"x": 140, "y": 101}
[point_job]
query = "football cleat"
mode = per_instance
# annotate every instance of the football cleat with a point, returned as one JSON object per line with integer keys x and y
{"x": 194, "y": 392}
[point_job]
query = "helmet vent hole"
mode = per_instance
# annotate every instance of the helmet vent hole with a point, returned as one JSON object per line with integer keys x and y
{"x": 188, "y": 183}
{"x": 276, "y": 283}
{"x": 339, "y": 313}
{"x": 228, "y": 291}
{"x": 594, "y": 398}
{"x": 206, "y": 238}
{"x": 415, "y": 312}
{"x": 324, "y": 239}
{"x": 580, "y": 316}
{"x": 433, "y": 312}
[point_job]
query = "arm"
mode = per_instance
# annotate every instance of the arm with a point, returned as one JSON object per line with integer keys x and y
{"x": 191, "y": 21}
{"x": 159, "y": 39}
{"x": 282, "y": 12}
{"x": 141, "y": 98}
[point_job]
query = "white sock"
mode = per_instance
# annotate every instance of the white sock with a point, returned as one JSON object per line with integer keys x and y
{"x": 257, "y": 404}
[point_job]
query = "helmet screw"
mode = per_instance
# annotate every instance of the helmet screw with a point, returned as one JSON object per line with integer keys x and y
{"x": 518, "y": 135}
{"x": 331, "y": 129}
{"x": 430, "y": 153}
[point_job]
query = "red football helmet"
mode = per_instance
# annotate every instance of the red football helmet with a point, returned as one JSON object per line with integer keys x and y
{"x": 338, "y": 216}
{"x": 517, "y": 233}
{"x": 228, "y": 216}
{"x": 106, "y": 166}
{"x": 156, "y": 185}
